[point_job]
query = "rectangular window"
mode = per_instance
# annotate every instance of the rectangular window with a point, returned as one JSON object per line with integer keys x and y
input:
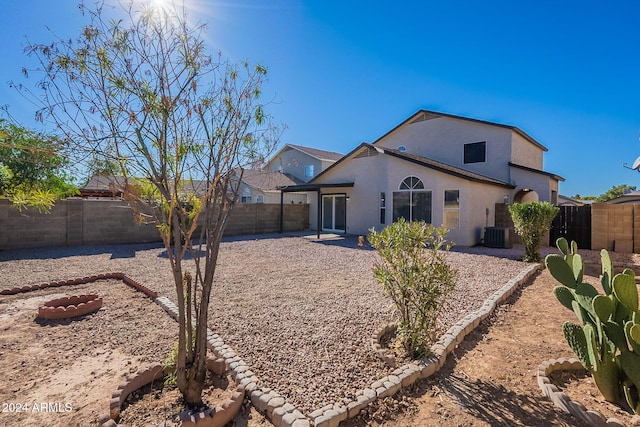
{"x": 308, "y": 171}
{"x": 452, "y": 209}
{"x": 383, "y": 208}
{"x": 475, "y": 152}
{"x": 412, "y": 206}
{"x": 246, "y": 199}
{"x": 260, "y": 199}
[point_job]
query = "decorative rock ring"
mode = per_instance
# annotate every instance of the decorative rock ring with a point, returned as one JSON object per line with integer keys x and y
{"x": 77, "y": 305}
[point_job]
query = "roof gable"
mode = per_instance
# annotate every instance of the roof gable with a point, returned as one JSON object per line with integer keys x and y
{"x": 423, "y": 115}
{"x": 322, "y": 155}
{"x": 369, "y": 150}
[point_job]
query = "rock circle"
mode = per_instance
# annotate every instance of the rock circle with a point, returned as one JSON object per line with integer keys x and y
{"x": 66, "y": 307}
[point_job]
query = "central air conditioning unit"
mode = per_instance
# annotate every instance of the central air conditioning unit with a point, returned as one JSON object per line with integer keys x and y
{"x": 497, "y": 237}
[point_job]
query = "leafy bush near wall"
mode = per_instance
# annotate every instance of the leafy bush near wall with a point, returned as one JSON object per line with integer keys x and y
{"x": 532, "y": 220}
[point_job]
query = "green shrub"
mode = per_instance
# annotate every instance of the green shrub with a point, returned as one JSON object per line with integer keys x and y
{"x": 532, "y": 220}
{"x": 607, "y": 340}
{"x": 416, "y": 277}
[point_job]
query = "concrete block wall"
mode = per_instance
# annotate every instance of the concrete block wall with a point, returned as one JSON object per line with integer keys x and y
{"x": 260, "y": 218}
{"x": 31, "y": 229}
{"x": 613, "y": 227}
{"x": 86, "y": 222}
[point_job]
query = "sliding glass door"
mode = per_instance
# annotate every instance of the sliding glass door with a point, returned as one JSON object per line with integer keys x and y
{"x": 334, "y": 213}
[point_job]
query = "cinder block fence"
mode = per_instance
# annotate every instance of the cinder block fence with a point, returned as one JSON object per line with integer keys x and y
{"x": 613, "y": 227}
{"x": 87, "y": 222}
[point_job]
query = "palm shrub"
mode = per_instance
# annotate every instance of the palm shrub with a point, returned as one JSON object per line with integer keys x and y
{"x": 416, "y": 276}
{"x": 532, "y": 220}
{"x": 607, "y": 340}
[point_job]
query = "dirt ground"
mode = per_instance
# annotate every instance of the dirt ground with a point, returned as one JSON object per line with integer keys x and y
{"x": 72, "y": 366}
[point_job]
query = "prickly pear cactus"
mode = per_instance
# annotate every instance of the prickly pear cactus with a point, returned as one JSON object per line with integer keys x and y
{"x": 607, "y": 340}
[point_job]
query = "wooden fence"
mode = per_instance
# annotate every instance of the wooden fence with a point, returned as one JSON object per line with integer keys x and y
{"x": 572, "y": 223}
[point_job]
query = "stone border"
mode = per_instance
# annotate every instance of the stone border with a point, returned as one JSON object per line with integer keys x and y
{"x": 409, "y": 373}
{"x": 454, "y": 336}
{"x": 76, "y": 305}
{"x": 217, "y": 417}
{"x": 267, "y": 401}
{"x": 384, "y": 354}
{"x": 562, "y": 401}
{"x": 284, "y": 414}
{"x": 83, "y": 280}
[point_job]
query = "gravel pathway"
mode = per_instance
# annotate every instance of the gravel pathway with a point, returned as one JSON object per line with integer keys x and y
{"x": 300, "y": 312}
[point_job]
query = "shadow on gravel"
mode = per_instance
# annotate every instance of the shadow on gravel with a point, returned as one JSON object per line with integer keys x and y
{"x": 56, "y": 252}
{"x": 349, "y": 242}
{"x": 497, "y": 406}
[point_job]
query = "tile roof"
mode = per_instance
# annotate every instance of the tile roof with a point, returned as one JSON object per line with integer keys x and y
{"x": 265, "y": 180}
{"x": 331, "y": 156}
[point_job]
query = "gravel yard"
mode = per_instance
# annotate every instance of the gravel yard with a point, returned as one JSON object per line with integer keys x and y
{"x": 300, "y": 312}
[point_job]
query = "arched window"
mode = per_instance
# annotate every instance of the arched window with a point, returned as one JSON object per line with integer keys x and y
{"x": 411, "y": 183}
{"x": 412, "y": 202}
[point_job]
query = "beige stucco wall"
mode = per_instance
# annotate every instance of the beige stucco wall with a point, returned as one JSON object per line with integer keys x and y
{"x": 363, "y": 207}
{"x": 443, "y": 139}
{"x": 541, "y": 184}
{"x": 525, "y": 153}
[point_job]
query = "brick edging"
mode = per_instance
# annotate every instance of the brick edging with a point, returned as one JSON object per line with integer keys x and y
{"x": 275, "y": 406}
{"x": 267, "y": 401}
{"x": 409, "y": 373}
{"x": 81, "y": 281}
{"x": 66, "y": 307}
{"x": 562, "y": 401}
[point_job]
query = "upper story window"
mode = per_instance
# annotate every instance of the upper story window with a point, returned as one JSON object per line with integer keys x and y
{"x": 308, "y": 171}
{"x": 475, "y": 152}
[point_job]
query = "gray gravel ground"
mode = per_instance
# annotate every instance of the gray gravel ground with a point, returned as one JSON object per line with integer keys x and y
{"x": 300, "y": 312}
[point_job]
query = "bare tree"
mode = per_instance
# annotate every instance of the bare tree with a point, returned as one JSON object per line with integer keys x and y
{"x": 144, "y": 90}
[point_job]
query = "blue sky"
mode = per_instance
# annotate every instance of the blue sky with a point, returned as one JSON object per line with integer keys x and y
{"x": 346, "y": 72}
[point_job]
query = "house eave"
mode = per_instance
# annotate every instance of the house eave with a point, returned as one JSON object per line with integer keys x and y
{"x": 541, "y": 172}
{"x": 314, "y": 187}
{"x": 519, "y": 131}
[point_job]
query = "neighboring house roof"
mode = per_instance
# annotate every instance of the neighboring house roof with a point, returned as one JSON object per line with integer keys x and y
{"x": 103, "y": 186}
{"x": 569, "y": 201}
{"x": 264, "y": 180}
{"x": 428, "y": 114}
{"x": 630, "y": 197}
{"x": 364, "y": 149}
{"x": 328, "y": 156}
{"x": 103, "y": 183}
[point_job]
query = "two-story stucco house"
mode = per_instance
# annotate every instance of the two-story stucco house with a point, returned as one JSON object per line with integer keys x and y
{"x": 302, "y": 163}
{"x": 261, "y": 186}
{"x": 436, "y": 167}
